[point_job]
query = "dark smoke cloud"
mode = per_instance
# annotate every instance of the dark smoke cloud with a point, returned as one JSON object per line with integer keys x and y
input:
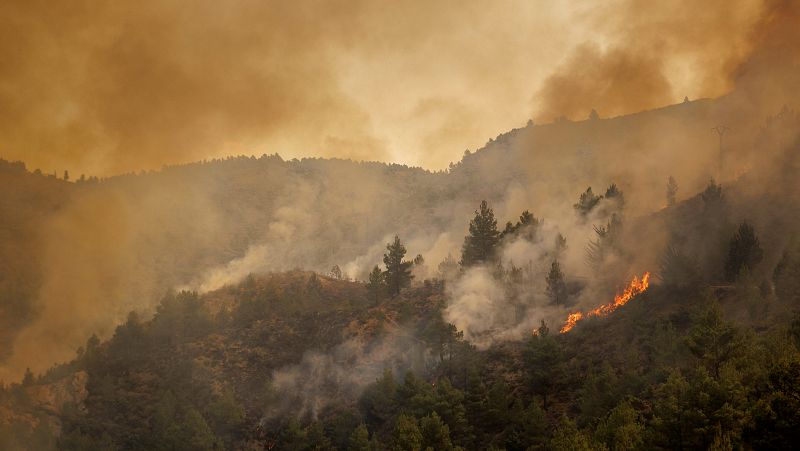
{"x": 652, "y": 54}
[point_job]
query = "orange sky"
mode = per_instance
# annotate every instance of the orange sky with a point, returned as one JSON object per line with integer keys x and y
{"x": 115, "y": 86}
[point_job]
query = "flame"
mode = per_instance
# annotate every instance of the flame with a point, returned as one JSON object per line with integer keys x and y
{"x": 635, "y": 287}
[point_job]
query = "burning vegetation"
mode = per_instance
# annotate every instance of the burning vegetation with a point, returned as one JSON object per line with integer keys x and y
{"x": 635, "y": 287}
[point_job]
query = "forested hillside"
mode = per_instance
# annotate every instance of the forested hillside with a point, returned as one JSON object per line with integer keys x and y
{"x": 706, "y": 356}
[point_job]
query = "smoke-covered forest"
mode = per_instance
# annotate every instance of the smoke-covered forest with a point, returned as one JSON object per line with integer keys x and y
{"x": 240, "y": 238}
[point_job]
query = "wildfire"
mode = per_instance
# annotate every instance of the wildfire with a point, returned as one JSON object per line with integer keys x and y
{"x": 635, "y": 287}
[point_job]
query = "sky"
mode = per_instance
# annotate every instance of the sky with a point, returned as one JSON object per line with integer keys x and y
{"x": 108, "y": 87}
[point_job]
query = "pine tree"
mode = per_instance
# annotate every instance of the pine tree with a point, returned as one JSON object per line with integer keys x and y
{"x": 398, "y": 272}
{"x": 556, "y": 287}
{"x": 713, "y": 340}
{"x": 587, "y": 202}
{"x": 613, "y": 193}
{"x": 598, "y": 251}
{"x": 376, "y": 285}
{"x": 544, "y": 362}
{"x": 359, "y": 440}
{"x": 406, "y": 435}
{"x": 744, "y": 252}
{"x": 479, "y": 246}
{"x": 713, "y": 198}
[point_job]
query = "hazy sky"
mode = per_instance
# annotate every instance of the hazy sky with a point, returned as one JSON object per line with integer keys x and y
{"x": 103, "y": 87}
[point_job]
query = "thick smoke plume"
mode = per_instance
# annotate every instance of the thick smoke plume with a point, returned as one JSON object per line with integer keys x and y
{"x": 110, "y": 87}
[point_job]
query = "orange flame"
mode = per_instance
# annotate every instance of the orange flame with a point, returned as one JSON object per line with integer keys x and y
{"x": 635, "y": 287}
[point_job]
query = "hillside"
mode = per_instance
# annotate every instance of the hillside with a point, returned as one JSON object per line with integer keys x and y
{"x": 297, "y": 360}
{"x": 114, "y": 245}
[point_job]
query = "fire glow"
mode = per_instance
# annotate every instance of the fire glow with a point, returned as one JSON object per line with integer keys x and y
{"x": 635, "y": 287}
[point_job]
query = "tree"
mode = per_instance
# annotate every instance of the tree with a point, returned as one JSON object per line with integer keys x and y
{"x": 195, "y": 433}
{"x": 556, "y": 287}
{"x": 406, "y": 435}
{"x": 787, "y": 276}
{"x": 598, "y": 251}
{"x": 678, "y": 270}
{"x": 527, "y": 227}
{"x": 586, "y": 202}
{"x": 28, "y": 379}
{"x": 66, "y": 175}
{"x": 622, "y": 429}
{"x": 614, "y": 195}
{"x": 568, "y": 437}
{"x": 713, "y": 340}
{"x": 544, "y": 361}
{"x": 672, "y": 191}
{"x": 376, "y": 286}
{"x": 435, "y": 434}
{"x": 560, "y": 245}
{"x": 479, "y": 246}
{"x": 398, "y": 272}
{"x": 336, "y": 272}
{"x": 359, "y": 440}
{"x": 713, "y": 198}
{"x": 744, "y": 252}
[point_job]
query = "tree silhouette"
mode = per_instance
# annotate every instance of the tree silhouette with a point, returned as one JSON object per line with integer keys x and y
{"x": 398, "y": 272}
{"x": 479, "y": 245}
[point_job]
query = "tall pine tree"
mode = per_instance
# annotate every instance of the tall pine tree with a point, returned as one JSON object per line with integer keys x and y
{"x": 556, "y": 287}
{"x": 479, "y": 246}
{"x": 398, "y": 272}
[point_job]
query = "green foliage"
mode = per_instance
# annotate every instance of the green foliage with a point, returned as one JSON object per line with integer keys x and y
{"x": 622, "y": 430}
{"x": 544, "y": 362}
{"x": 398, "y": 272}
{"x": 376, "y": 286}
{"x": 567, "y": 437}
{"x": 406, "y": 435}
{"x": 744, "y": 252}
{"x": 480, "y": 245}
{"x": 435, "y": 434}
{"x": 359, "y": 440}
{"x": 713, "y": 340}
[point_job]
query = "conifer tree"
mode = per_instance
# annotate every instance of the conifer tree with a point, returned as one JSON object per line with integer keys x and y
{"x": 480, "y": 245}
{"x": 556, "y": 287}
{"x": 744, "y": 252}
{"x": 398, "y": 272}
{"x": 587, "y": 202}
{"x": 376, "y": 285}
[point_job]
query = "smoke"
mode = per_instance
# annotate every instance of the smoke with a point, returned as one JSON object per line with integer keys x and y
{"x": 115, "y": 87}
{"x": 110, "y": 87}
{"x": 322, "y": 379}
{"x": 649, "y": 56}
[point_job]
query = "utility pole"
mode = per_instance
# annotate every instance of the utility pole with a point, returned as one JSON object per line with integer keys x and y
{"x": 720, "y": 130}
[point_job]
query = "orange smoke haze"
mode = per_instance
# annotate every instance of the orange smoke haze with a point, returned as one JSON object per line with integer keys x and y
{"x": 108, "y": 87}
